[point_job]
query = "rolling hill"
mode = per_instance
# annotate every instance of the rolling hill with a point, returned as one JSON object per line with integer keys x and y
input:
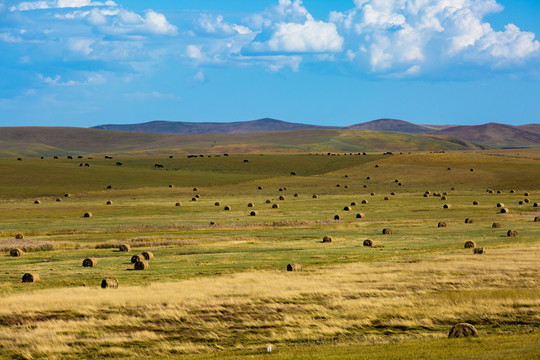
{"x": 392, "y": 125}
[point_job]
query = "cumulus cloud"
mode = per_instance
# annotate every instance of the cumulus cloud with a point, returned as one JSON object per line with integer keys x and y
{"x": 89, "y": 79}
{"x": 215, "y": 25}
{"x": 58, "y": 4}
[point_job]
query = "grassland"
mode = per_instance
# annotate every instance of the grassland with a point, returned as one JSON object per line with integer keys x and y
{"x": 221, "y": 290}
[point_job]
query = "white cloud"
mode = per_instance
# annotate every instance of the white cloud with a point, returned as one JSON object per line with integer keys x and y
{"x": 152, "y": 96}
{"x": 90, "y": 79}
{"x": 216, "y": 25}
{"x": 9, "y": 38}
{"x": 82, "y": 46}
{"x": 58, "y": 4}
{"x": 199, "y": 76}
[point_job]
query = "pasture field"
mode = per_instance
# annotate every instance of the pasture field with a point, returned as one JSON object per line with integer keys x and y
{"x": 218, "y": 286}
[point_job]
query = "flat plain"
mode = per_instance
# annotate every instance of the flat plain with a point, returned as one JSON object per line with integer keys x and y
{"x": 218, "y": 286}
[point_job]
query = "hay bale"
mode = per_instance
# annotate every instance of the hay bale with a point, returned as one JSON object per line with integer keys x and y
{"x": 194, "y": 199}
{"x": 294, "y": 267}
{"x": 499, "y": 192}
{"x": 441, "y": 224}
{"x": 227, "y": 208}
{"x": 109, "y": 187}
{"x": 526, "y": 194}
{"x": 426, "y": 195}
{"x": 453, "y": 188}
{"x": 19, "y": 236}
{"x": 282, "y": 197}
{"x": 171, "y": 186}
{"x": 520, "y": 202}
{"x": 268, "y": 201}
{"x": 386, "y": 198}
{"x": 260, "y": 188}
{"x": 368, "y": 242}
{"x": 446, "y": 206}
{"x": 469, "y": 221}
{"x": 500, "y": 205}
{"x": 198, "y": 196}
{"x": 148, "y": 255}
{"x": 372, "y": 194}
{"x": 360, "y": 216}
{"x": 504, "y": 211}
{"x": 347, "y": 208}
{"x": 368, "y": 178}
{"x": 253, "y": 213}
{"x": 217, "y": 203}
{"x": 512, "y": 233}
{"x": 109, "y": 202}
{"x": 470, "y": 244}
{"x": 365, "y": 186}
{"x": 338, "y": 217}
{"x": 315, "y": 196}
{"x": 364, "y": 202}
{"x": 326, "y": 239}
{"x": 512, "y": 191}
{"x": 472, "y": 169}
{"x": 443, "y": 198}
{"x": 496, "y": 225}
{"x": 526, "y": 201}
{"x": 109, "y": 283}
{"x": 30, "y": 278}
{"x": 393, "y": 193}
{"x": 178, "y": 204}
{"x": 280, "y": 189}
{"x": 87, "y": 215}
{"x": 16, "y": 252}
{"x": 353, "y": 203}
{"x": 479, "y": 250}
{"x": 445, "y": 193}
{"x": 124, "y": 248}
{"x": 195, "y": 189}
{"x": 37, "y": 202}
{"x": 387, "y": 231}
{"x": 537, "y": 219}
{"x": 296, "y": 194}
{"x": 141, "y": 265}
{"x": 89, "y": 262}
{"x": 462, "y": 330}
{"x": 337, "y": 185}
{"x": 58, "y": 199}
{"x": 275, "y": 206}
{"x": 475, "y": 202}
{"x": 136, "y": 258}
{"x": 250, "y": 204}
{"x": 535, "y": 204}
{"x": 67, "y": 195}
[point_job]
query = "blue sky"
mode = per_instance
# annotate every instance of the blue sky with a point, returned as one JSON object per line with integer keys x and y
{"x": 86, "y": 62}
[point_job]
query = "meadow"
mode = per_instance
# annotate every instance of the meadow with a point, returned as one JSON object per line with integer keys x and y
{"x": 218, "y": 286}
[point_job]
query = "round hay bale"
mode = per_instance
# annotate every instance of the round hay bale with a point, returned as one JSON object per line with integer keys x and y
{"x": 30, "y": 278}
{"x": 141, "y": 265}
{"x": 449, "y": 169}
{"x": 89, "y": 262}
{"x": 194, "y": 199}
{"x": 87, "y": 215}
{"x": 337, "y": 185}
{"x": 67, "y": 195}
{"x": 171, "y": 186}
{"x": 520, "y": 202}
{"x": 253, "y": 213}
{"x": 326, "y": 239}
{"x": 496, "y": 225}
{"x": 445, "y": 193}
{"x": 338, "y": 217}
{"x": 526, "y": 194}
{"x": 387, "y": 231}
{"x": 19, "y": 236}
{"x": 227, "y": 208}
{"x": 109, "y": 202}
{"x": 500, "y": 205}
{"x": 372, "y": 194}
{"x": 280, "y": 189}
{"x": 441, "y": 224}
{"x": 37, "y": 202}
{"x": 512, "y": 191}
{"x": 296, "y": 194}
{"x": 472, "y": 169}
{"x": 282, "y": 197}
{"x": 499, "y": 192}
{"x": 537, "y": 219}
{"x": 526, "y": 201}
{"x": 275, "y": 206}
{"x": 469, "y": 221}
{"x": 109, "y": 283}
{"x": 386, "y": 198}
{"x": 446, "y": 206}
{"x": 443, "y": 198}
{"x": 178, "y": 204}
{"x": 535, "y": 204}
{"x": 512, "y": 233}
{"x": 504, "y": 211}
{"x": 360, "y": 216}
{"x": 212, "y": 223}
{"x": 315, "y": 196}
{"x": 364, "y": 202}
{"x": 217, "y": 203}
{"x": 479, "y": 250}
{"x": 393, "y": 193}
{"x": 268, "y": 201}
{"x": 347, "y": 208}
{"x": 462, "y": 330}
{"x": 353, "y": 203}
{"x": 260, "y": 188}
{"x": 294, "y": 267}
{"x": 377, "y": 166}
{"x": 148, "y": 255}
{"x": 136, "y": 258}
{"x": 399, "y": 184}
{"x": 426, "y": 195}
{"x": 396, "y": 181}
{"x": 195, "y": 189}
{"x": 453, "y": 188}
{"x": 368, "y": 242}
{"x": 346, "y": 176}
{"x": 365, "y": 186}
{"x": 250, "y": 204}
{"x": 368, "y": 178}
{"x": 475, "y": 202}
{"x": 16, "y": 252}
{"x": 58, "y": 199}
{"x": 470, "y": 244}
{"x": 124, "y": 248}
{"x": 346, "y": 186}
{"x": 198, "y": 196}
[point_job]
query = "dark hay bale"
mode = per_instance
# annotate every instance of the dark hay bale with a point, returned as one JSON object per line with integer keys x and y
{"x": 293, "y": 173}
{"x": 30, "y": 278}
{"x": 178, "y": 204}
{"x": 141, "y": 265}
{"x": 136, "y": 258}
{"x": 109, "y": 283}
{"x": 37, "y": 202}
{"x": 368, "y": 178}
{"x": 253, "y": 213}
{"x": 521, "y": 202}
{"x": 535, "y": 205}
{"x": 386, "y": 198}
{"x": 512, "y": 191}
{"x": 260, "y": 188}
{"x": 217, "y": 203}
{"x": 441, "y": 224}
{"x": 426, "y": 195}
{"x": 337, "y": 185}
{"x": 368, "y": 242}
{"x": 282, "y": 197}
{"x": 512, "y": 233}
{"x": 387, "y": 231}
{"x": 364, "y": 202}
{"x": 338, "y": 217}
{"x": 87, "y": 215}
{"x": 347, "y": 208}
{"x": 472, "y": 169}
{"x": 396, "y": 181}
{"x": 251, "y": 205}
{"x": 428, "y": 192}
{"x": 198, "y": 196}
{"x": 296, "y": 194}
{"x": 327, "y": 239}
{"x": 360, "y": 216}
{"x": 537, "y": 219}
{"x": 365, "y": 186}
{"x": 499, "y": 192}
{"x": 445, "y": 193}
{"x": 280, "y": 189}
{"x": 67, "y": 195}
{"x": 124, "y": 248}
{"x": 504, "y": 211}
{"x": 16, "y": 252}
{"x": 315, "y": 196}
{"x": 526, "y": 201}
{"x": 275, "y": 206}
{"x": 294, "y": 267}
{"x": 194, "y": 199}
{"x": 462, "y": 330}
{"x": 479, "y": 250}
{"x": 443, "y": 198}
{"x": 453, "y": 188}
{"x": 470, "y": 245}
{"x": 376, "y": 166}
{"x": 195, "y": 189}
{"x": 212, "y": 223}
{"x": 475, "y": 202}
{"x": 268, "y": 201}
{"x": 89, "y": 262}
{"x": 500, "y": 205}
{"x": 148, "y": 255}
{"x": 399, "y": 184}
{"x": 446, "y": 206}
{"x": 372, "y": 194}
{"x": 109, "y": 202}
{"x": 58, "y": 199}
{"x": 346, "y": 176}
{"x": 19, "y": 236}
{"x": 353, "y": 203}
{"x": 496, "y": 225}
{"x": 393, "y": 193}
{"x": 469, "y": 221}
{"x": 526, "y": 194}
{"x": 346, "y": 186}
{"x": 109, "y": 187}
{"x": 227, "y": 208}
